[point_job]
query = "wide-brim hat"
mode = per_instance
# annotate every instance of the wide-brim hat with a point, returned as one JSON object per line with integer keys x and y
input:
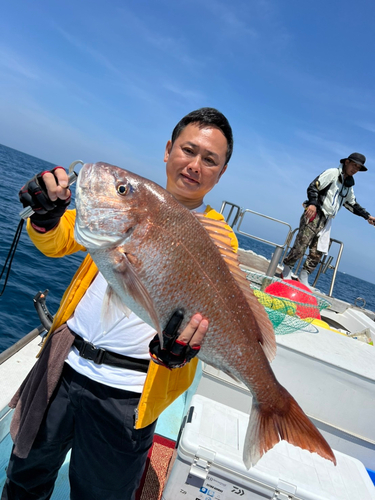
{"x": 357, "y": 158}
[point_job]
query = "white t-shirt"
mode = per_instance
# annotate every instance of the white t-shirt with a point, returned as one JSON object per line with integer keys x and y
{"x": 127, "y": 336}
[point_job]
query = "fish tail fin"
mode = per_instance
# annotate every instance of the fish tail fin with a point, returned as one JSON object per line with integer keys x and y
{"x": 268, "y": 427}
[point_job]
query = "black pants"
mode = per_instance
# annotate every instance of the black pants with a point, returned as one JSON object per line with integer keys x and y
{"x": 97, "y": 423}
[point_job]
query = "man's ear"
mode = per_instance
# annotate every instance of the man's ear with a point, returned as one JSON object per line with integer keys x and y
{"x": 167, "y": 151}
{"x": 221, "y": 173}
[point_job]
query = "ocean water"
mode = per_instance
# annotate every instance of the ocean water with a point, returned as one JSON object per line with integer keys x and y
{"x": 32, "y": 271}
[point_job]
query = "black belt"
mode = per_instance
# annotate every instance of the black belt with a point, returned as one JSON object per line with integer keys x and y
{"x": 102, "y": 357}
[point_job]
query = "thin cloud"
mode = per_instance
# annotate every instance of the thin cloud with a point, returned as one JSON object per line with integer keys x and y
{"x": 370, "y": 127}
{"x": 229, "y": 19}
{"x": 335, "y": 147}
{"x": 322, "y": 90}
{"x": 187, "y": 94}
{"x": 63, "y": 141}
{"x": 15, "y": 64}
{"x": 128, "y": 82}
{"x": 173, "y": 47}
{"x": 95, "y": 54}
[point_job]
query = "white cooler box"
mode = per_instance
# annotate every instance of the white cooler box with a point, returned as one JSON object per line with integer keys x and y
{"x": 332, "y": 378}
{"x": 209, "y": 466}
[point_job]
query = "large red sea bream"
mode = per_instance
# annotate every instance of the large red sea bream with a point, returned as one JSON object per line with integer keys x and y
{"x": 157, "y": 257}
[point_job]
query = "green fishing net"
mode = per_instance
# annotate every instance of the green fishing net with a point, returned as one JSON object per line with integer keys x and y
{"x": 289, "y": 306}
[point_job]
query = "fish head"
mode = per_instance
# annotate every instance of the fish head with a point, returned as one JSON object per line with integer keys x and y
{"x": 110, "y": 202}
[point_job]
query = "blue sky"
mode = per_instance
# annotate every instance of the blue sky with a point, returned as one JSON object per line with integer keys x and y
{"x": 108, "y": 80}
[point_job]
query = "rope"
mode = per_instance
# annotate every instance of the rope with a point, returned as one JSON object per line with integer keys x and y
{"x": 11, "y": 253}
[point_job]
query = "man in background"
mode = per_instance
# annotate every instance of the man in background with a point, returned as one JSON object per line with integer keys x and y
{"x": 326, "y": 194}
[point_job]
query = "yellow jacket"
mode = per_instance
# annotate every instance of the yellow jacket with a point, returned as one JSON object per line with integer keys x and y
{"x": 162, "y": 386}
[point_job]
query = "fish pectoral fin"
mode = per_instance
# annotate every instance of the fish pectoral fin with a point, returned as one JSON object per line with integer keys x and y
{"x": 112, "y": 308}
{"x": 230, "y": 374}
{"x": 219, "y": 233}
{"x": 138, "y": 291}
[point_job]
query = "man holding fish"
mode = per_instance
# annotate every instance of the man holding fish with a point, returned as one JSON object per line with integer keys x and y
{"x": 92, "y": 389}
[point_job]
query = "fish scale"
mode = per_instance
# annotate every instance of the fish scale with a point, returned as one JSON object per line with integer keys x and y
{"x": 200, "y": 281}
{"x": 158, "y": 257}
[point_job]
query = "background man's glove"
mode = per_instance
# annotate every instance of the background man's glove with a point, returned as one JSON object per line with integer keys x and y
{"x": 175, "y": 353}
{"x": 47, "y": 213}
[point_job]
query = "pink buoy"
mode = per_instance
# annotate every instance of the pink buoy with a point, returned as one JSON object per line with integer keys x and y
{"x": 281, "y": 289}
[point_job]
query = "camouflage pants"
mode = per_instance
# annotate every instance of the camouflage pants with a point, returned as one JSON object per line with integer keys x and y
{"x": 307, "y": 236}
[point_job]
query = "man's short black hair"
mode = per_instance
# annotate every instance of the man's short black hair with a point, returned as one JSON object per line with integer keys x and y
{"x": 203, "y": 117}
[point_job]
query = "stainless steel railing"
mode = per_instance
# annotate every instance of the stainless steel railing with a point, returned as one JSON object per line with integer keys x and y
{"x": 235, "y": 217}
{"x": 21, "y": 343}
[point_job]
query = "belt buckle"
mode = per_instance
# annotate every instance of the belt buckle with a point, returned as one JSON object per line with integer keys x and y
{"x": 92, "y": 353}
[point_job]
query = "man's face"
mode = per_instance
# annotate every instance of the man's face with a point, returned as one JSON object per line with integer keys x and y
{"x": 351, "y": 167}
{"x": 195, "y": 163}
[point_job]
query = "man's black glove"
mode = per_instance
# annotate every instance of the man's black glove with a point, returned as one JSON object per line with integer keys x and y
{"x": 47, "y": 213}
{"x": 175, "y": 353}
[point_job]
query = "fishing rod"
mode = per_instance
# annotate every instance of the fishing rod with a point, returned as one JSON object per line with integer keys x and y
{"x": 46, "y": 318}
{"x": 25, "y": 214}
{"x": 28, "y": 211}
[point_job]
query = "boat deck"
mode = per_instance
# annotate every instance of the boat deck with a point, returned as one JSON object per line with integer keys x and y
{"x": 168, "y": 424}
{"x": 324, "y": 358}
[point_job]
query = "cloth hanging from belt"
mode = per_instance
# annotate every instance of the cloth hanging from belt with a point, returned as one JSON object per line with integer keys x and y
{"x": 324, "y": 237}
{"x": 35, "y": 392}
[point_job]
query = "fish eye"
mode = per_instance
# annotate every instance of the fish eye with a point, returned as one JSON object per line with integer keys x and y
{"x": 122, "y": 189}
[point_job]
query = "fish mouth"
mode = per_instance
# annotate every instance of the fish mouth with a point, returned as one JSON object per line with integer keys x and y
{"x": 86, "y": 175}
{"x": 92, "y": 184}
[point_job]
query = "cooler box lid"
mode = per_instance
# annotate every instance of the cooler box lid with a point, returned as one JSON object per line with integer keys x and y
{"x": 212, "y": 441}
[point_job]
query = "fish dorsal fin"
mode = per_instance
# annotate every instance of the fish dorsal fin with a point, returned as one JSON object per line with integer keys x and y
{"x": 220, "y": 234}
